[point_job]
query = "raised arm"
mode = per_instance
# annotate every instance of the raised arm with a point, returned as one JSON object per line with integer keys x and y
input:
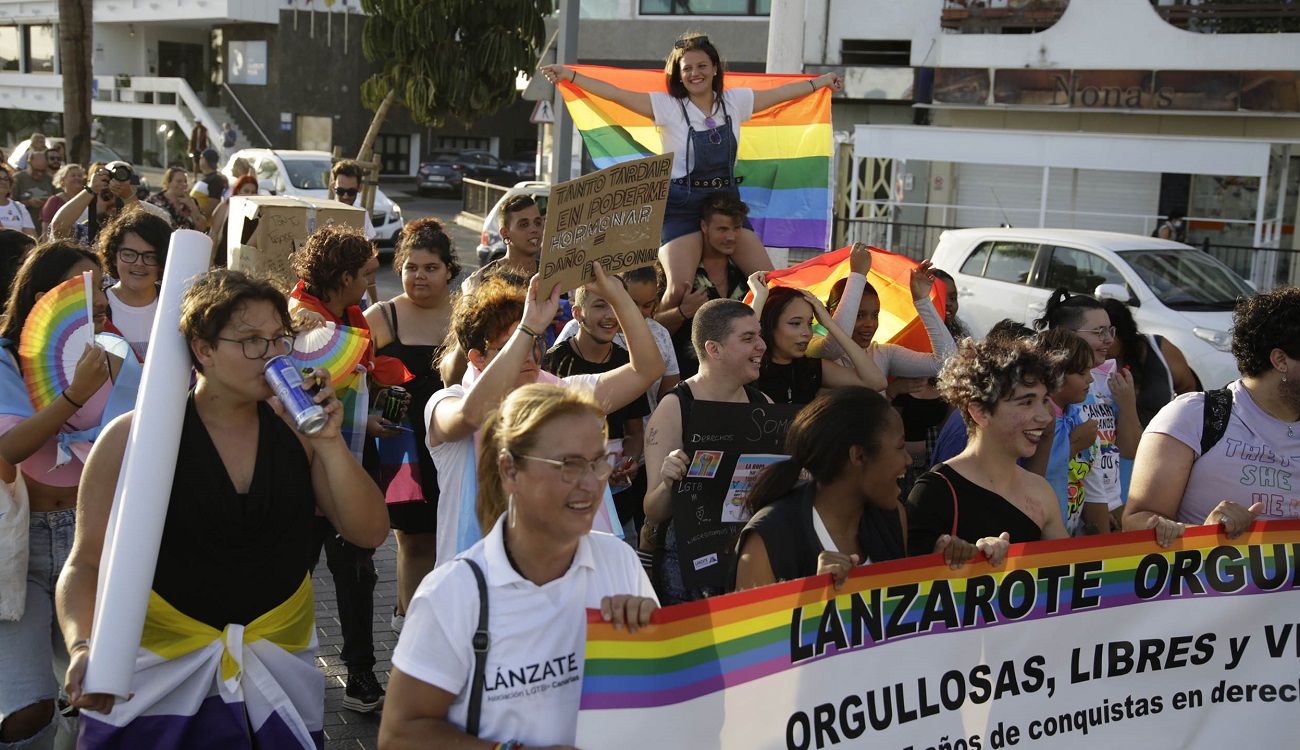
{"x": 765, "y": 98}
{"x": 75, "y": 593}
{"x": 454, "y": 418}
{"x": 66, "y": 217}
{"x": 637, "y": 101}
{"x": 618, "y": 387}
{"x": 864, "y": 372}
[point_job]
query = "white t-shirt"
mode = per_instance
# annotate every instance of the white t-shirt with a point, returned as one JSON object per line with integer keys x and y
{"x": 1102, "y": 481}
{"x": 1253, "y": 462}
{"x": 533, "y": 675}
{"x": 663, "y": 340}
{"x": 673, "y": 131}
{"x": 14, "y": 215}
{"x": 457, "y": 466}
{"x": 135, "y": 323}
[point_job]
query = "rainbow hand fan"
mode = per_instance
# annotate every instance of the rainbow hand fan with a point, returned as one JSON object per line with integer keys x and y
{"x": 54, "y": 337}
{"x": 336, "y": 348}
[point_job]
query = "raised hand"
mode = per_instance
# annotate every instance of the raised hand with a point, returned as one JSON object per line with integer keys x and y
{"x": 860, "y": 258}
{"x": 921, "y": 280}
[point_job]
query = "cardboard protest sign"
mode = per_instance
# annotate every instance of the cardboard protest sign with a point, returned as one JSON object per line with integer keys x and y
{"x": 728, "y": 446}
{"x": 613, "y": 216}
{"x": 265, "y": 231}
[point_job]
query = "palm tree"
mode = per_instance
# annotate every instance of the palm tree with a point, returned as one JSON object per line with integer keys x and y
{"x": 75, "y": 44}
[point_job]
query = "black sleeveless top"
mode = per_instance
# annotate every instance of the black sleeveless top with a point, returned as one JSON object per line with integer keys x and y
{"x": 228, "y": 558}
{"x": 795, "y": 383}
{"x": 686, "y": 399}
{"x": 786, "y": 527}
{"x": 979, "y": 512}
{"x": 1154, "y": 390}
{"x": 419, "y": 359}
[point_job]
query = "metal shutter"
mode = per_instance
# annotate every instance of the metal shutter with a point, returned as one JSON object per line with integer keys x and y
{"x": 983, "y": 186}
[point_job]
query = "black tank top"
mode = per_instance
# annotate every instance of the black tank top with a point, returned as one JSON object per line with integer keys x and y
{"x": 793, "y": 383}
{"x": 419, "y": 359}
{"x": 978, "y": 513}
{"x": 227, "y": 558}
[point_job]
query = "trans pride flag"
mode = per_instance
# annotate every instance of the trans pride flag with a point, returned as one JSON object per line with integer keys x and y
{"x": 784, "y": 157}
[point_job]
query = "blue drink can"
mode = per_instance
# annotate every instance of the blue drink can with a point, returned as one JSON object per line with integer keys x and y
{"x": 286, "y": 381}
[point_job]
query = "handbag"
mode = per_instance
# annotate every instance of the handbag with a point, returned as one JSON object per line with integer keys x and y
{"x": 15, "y": 515}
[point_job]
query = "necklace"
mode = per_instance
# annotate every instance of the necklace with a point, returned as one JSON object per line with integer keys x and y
{"x": 603, "y": 360}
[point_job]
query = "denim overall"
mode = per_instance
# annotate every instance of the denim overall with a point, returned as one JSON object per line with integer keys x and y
{"x": 715, "y": 160}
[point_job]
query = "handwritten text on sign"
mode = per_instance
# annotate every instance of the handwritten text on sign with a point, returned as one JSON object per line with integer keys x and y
{"x": 613, "y": 217}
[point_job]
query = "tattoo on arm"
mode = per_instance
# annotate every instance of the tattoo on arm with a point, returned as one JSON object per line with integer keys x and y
{"x": 653, "y": 437}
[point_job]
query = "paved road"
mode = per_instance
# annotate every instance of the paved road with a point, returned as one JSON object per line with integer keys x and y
{"x": 344, "y": 728}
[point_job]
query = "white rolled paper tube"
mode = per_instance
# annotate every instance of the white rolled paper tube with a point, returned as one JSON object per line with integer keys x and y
{"x": 126, "y": 567}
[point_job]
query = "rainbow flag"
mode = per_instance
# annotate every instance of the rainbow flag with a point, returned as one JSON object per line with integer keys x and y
{"x": 890, "y": 275}
{"x": 784, "y": 158}
{"x": 704, "y": 647}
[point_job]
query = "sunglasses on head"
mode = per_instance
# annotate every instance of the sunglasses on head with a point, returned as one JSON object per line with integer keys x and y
{"x": 346, "y": 192}
{"x": 694, "y": 41}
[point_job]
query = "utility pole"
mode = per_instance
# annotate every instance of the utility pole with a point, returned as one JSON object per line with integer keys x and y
{"x": 785, "y": 29}
{"x": 566, "y": 53}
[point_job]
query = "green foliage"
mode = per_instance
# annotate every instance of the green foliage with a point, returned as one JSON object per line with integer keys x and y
{"x": 450, "y": 58}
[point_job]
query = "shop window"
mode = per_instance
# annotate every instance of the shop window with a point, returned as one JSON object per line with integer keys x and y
{"x": 705, "y": 7}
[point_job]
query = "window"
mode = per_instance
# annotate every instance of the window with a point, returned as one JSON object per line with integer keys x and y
{"x": 879, "y": 52}
{"x": 1011, "y": 261}
{"x": 974, "y": 265}
{"x": 40, "y": 49}
{"x": 1079, "y": 271}
{"x": 10, "y": 48}
{"x": 306, "y": 174}
{"x": 706, "y": 7}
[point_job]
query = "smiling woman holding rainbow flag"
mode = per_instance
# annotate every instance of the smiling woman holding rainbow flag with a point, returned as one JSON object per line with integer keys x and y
{"x": 628, "y": 114}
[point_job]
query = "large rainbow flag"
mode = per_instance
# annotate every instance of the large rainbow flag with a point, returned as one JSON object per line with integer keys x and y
{"x": 784, "y": 157}
{"x": 890, "y": 276}
{"x": 1062, "y": 627}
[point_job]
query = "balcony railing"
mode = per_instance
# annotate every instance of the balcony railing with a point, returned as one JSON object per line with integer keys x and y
{"x": 1001, "y": 16}
{"x": 1226, "y": 17}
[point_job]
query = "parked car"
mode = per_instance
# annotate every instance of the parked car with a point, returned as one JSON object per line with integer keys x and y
{"x": 446, "y": 170}
{"x": 151, "y": 178}
{"x": 525, "y": 165}
{"x": 490, "y": 244}
{"x": 1175, "y": 291}
{"x": 307, "y": 174}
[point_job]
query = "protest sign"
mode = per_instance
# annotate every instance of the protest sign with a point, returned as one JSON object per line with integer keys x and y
{"x": 728, "y": 445}
{"x": 1106, "y": 641}
{"x": 613, "y": 216}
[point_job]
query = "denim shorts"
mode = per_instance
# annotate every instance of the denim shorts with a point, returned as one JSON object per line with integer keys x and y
{"x": 33, "y": 659}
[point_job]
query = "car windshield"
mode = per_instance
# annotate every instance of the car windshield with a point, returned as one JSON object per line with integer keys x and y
{"x": 308, "y": 174}
{"x": 1188, "y": 279}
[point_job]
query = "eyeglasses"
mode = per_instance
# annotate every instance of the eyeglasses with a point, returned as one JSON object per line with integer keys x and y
{"x": 346, "y": 192}
{"x": 1101, "y": 332}
{"x": 256, "y": 347}
{"x": 693, "y": 41}
{"x": 573, "y": 469}
{"x": 131, "y": 256}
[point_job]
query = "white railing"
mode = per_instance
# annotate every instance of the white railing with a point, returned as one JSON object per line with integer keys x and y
{"x": 143, "y": 97}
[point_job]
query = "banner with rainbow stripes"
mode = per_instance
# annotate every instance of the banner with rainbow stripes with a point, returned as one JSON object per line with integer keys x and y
{"x": 784, "y": 158}
{"x": 1072, "y": 643}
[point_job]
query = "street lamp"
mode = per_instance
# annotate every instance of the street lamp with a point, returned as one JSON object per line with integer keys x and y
{"x": 165, "y": 130}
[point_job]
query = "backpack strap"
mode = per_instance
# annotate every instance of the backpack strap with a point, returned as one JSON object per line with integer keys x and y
{"x": 481, "y": 642}
{"x": 1214, "y": 417}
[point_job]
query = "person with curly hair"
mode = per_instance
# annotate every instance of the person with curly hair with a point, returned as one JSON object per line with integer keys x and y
{"x": 1000, "y": 388}
{"x": 1214, "y": 458}
{"x": 411, "y": 327}
{"x": 334, "y": 267}
{"x": 133, "y": 247}
{"x": 499, "y": 328}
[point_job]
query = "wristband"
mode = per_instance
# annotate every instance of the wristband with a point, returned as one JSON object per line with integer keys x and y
{"x": 814, "y": 86}
{"x": 572, "y": 79}
{"x": 90, "y": 190}
{"x": 684, "y": 318}
{"x": 65, "y": 395}
{"x": 529, "y": 331}
{"x": 78, "y": 644}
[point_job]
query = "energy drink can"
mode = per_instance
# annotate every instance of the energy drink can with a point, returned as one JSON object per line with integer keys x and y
{"x": 286, "y": 381}
{"x": 396, "y": 401}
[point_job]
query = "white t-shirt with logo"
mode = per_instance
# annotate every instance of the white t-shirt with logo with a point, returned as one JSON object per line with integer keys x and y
{"x": 533, "y": 675}
{"x": 1254, "y": 462}
{"x": 14, "y": 215}
{"x": 673, "y": 130}
{"x": 1102, "y": 482}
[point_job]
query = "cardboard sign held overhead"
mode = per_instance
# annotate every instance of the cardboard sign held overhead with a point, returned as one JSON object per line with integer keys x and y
{"x": 613, "y": 216}
{"x": 265, "y": 230}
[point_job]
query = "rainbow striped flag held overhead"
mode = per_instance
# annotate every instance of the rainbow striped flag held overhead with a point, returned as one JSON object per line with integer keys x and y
{"x": 890, "y": 276}
{"x": 784, "y": 158}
